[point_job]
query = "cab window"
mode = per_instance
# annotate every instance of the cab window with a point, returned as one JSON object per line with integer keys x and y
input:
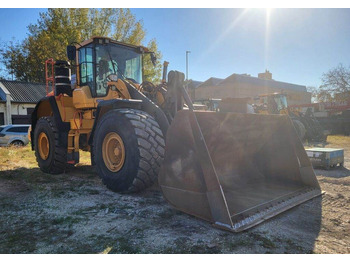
{"x": 86, "y": 69}
{"x": 105, "y": 66}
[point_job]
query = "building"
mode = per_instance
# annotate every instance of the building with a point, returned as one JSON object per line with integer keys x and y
{"x": 18, "y": 100}
{"x": 246, "y": 86}
{"x": 191, "y": 87}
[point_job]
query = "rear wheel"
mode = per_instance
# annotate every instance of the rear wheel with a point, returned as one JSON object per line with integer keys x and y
{"x": 128, "y": 149}
{"x": 50, "y": 156}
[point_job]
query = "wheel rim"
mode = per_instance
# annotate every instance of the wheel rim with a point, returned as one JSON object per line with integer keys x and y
{"x": 113, "y": 152}
{"x": 43, "y": 146}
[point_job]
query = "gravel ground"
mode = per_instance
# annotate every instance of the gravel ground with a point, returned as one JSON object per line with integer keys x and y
{"x": 75, "y": 213}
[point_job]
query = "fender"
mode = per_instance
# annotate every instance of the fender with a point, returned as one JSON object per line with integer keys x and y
{"x": 151, "y": 108}
{"x": 47, "y": 106}
{"x": 105, "y": 106}
{"x": 17, "y": 138}
{"x": 139, "y": 102}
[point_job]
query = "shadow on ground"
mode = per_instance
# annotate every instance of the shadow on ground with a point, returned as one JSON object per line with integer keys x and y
{"x": 336, "y": 172}
{"x": 75, "y": 213}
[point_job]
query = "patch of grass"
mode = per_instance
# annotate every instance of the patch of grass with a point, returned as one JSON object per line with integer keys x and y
{"x": 125, "y": 245}
{"x": 267, "y": 243}
{"x": 29, "y": 176}
{"x": 123, "y": 206}
{"x": 112, "y": 207}
{"x": 338, "y": 140}
{"x": 18, "y": 241}
{"x": 232, "y": 245}
{"x": 6, "y": 204}
{"x": 17, "y": 157}
{"x": 183, "y": 245}
{"x": 336, "y": 221}
{"x": 129, "y": 242}
{"x": 291, "y": 246}
{"x": 168, "y": 213}
{"x": 264, "y": 241}
{"x": 69, "y": 221}
{"x": 92, "y": 191}
{"x": 20, "y": 237}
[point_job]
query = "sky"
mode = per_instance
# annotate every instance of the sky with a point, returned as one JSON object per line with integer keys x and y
{"x": 296, "y": 45}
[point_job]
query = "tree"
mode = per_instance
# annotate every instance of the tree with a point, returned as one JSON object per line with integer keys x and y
{"x": 335, "y": 85}
{"x": 153, "y": 73}
{"x": 57, "y": 28}
{"x": 313, "y": 90}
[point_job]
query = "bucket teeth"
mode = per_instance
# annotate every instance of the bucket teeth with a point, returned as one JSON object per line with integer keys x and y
{"x": 274, "y": 210}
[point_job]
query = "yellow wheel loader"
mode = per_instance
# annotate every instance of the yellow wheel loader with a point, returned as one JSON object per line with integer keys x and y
{"x": 234, "y": 170}
{"x": 306, "y": 125}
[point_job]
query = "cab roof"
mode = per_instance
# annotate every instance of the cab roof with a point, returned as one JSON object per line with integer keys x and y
{"x": 107, "y": 40}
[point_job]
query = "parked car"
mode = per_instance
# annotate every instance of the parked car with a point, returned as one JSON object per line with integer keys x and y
{"x": 16, "y": 135}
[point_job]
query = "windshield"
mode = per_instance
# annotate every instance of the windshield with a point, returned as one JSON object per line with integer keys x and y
{"x": 281, "y": 102}
{"x": 122, "y": 61}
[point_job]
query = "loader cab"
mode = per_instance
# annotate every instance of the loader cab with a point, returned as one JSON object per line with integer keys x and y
{"x": 101, "y": 60}
{"x": 274, "y": 103}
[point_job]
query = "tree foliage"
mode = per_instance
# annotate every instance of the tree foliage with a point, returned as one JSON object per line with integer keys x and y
{"x": 153, "y": 73}
{"x": 57, "y": 28}
{"x": 335, "y": 85}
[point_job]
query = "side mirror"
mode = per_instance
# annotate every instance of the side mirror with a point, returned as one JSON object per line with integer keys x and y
{"x": 71, "y": 52}
{"x": 153, "y": 59}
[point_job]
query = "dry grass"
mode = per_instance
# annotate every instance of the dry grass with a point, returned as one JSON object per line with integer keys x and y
{"x": 338, "y": 141}
{"x": 16, "y": 157}
{"x": 23, "y": 157}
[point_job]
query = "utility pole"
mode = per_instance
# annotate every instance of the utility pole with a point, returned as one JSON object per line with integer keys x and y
{"x": 187, "y": 52}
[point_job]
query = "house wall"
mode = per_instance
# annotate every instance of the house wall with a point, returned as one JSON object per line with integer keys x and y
{"x": 12, "y": 111}
{"x": 20, "y": 108}
{"x": 18, "y": 113}
{"x": 243, "y": 90}
{"x": 2, "y": 113}
{"x": 2, "y": 107}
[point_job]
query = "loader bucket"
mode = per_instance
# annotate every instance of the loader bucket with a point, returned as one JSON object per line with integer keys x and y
{"x": 235, "y": 170}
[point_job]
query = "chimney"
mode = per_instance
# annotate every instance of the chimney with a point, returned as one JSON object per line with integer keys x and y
{"x": 267, "y": 75}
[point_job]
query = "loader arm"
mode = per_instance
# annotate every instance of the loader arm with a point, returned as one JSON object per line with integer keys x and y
{"x": 216, "y": 198}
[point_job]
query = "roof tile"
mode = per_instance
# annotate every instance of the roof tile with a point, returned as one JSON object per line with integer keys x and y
{"x": 25, "y": 92}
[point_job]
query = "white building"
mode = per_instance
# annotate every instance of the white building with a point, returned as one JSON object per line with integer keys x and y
{"x": 246, "y": 86}
{"x": 18, "y": 100}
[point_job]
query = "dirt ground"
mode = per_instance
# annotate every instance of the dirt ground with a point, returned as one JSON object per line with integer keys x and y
{"x": 75, "y": 213}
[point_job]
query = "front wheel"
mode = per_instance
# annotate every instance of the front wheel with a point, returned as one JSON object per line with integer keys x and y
{"x": 51, "y": 157}
{"x": 128, "y": 149}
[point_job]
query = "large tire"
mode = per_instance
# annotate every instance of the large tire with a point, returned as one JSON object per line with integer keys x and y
{"x": 51, "y": 157}
{"x": 138, "y": 135}
{"x": 300, "y": 128}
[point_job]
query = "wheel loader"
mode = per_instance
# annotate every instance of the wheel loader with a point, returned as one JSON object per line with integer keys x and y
{"x": 234, "y": 170}
{"x": 307, "y": 126}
